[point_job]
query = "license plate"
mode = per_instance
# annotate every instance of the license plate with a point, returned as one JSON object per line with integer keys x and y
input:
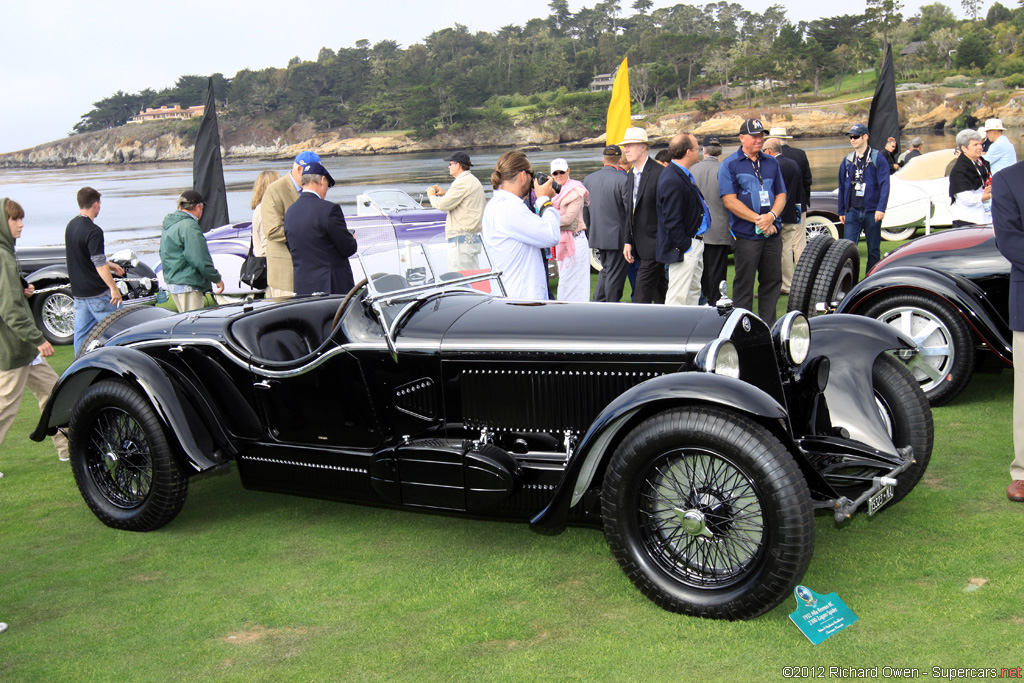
{"x": 876, "y": 501}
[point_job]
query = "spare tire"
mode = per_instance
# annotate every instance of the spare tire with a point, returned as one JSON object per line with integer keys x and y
{"x": 118, "y": 321}
{"x": 838, "y": 273}
{"x": 805, "y": 271}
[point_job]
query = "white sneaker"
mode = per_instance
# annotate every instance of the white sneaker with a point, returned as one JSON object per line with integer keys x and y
{"x": 63, "y": 459}
{"x": 3, "y": 627}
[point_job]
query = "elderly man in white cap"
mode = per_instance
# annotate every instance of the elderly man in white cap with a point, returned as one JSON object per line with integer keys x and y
{"x": 642, "y": 218}
{"x": 1001, "y": 153}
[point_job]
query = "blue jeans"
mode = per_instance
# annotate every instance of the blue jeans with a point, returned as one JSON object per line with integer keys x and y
{"x": 858, "y": 220}
{"x": 88, "y": 312}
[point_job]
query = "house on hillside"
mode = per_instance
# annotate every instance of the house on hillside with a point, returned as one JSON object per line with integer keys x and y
{"x": 168, "y": 111}
{"x": 603, "y": 81}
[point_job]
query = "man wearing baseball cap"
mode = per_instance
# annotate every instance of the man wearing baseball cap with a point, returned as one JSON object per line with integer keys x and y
{"x": 318, "y": 239}
{"x": 1000, "y": 153}
{"x": 754, "y": 192}
{"x": 863, "y": 193}
{"x": 464, "y": 203}
{"x": 185, "y": 256}
{"x": 280, "y": 195}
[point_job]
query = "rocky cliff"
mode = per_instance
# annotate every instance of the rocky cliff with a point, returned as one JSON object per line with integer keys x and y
{"x": 929, "y": 109}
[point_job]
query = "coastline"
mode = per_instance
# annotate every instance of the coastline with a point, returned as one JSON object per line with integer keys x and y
{"x": 154, "y": 143}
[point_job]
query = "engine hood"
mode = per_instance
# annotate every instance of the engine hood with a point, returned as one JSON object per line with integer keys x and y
{"x": 504, "y": 325}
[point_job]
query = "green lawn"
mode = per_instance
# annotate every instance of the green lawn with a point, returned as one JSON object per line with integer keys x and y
{"x": 248, "y": 586}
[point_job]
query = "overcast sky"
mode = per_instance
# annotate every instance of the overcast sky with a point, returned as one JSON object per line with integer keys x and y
{"x": 61, "y": 56}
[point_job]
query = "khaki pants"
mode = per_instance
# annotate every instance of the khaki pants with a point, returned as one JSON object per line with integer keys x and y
{"x": 189, "y": 301}
{"x": 684, "y": 277}
{"x": 275, "y": 293}
{"x": 1017, "y": 467}
{"x": 794, "y": 240}
{"x": 40, "y": 380}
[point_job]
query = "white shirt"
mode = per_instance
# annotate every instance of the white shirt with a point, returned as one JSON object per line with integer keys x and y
{"x": 514, "y": 236}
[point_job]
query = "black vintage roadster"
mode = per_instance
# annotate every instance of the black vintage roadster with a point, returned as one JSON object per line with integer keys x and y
{"x": 701, "y": 440}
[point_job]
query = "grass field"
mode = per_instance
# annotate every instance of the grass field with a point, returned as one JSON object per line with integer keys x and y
{"x": 248, "y": 586}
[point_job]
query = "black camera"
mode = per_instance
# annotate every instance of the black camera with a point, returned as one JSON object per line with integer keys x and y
{"x": 542, "y": 178}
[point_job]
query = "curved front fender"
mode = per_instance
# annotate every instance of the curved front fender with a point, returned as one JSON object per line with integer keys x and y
{"x": 852, "y": 343}
{"x": 139, "y": 369}
{"x": 676, "y": 389}
{"x": 47, "y": 274}
{"x": 973, "y": 305}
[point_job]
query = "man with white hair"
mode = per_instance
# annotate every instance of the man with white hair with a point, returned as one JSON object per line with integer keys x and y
{"x": 1001, "y": 153}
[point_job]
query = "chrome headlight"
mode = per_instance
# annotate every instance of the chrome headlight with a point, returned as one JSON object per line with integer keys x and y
{"x": 720, "y": 357}
{"x": 792, "y": 337}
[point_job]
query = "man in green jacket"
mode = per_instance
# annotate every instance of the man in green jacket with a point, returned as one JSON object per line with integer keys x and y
{"x": 185, "y": 257}
{"x": 22, "y": 345}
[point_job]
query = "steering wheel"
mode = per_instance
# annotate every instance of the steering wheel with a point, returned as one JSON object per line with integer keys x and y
{"x": 344, "y": 303}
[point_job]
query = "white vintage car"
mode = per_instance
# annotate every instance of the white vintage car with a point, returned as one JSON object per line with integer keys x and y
{"x": 918, "y": 197}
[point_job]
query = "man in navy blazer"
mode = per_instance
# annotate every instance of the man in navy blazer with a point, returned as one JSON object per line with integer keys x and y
{"x": 1007, "y": 213}
{"x": 642, "y": 218}
{"x": 318, "y": 238}
{"x": 683, "y": 218}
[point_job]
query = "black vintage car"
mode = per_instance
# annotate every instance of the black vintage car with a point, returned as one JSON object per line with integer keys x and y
{"x": 948, "y": 291}
{"x": 701, "y": 440}
{"x": 46, "y": 269}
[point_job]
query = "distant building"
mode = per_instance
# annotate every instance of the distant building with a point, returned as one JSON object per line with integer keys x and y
{"x": 168, "y": 111}
{"x": 912, "y": 48}
{"x": 603, "y": 81}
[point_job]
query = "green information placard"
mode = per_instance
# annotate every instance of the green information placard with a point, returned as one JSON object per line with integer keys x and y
{"x": 820, "y": 616}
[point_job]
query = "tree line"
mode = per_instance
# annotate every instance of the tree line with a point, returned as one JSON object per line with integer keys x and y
{"x": 455, "y": 78}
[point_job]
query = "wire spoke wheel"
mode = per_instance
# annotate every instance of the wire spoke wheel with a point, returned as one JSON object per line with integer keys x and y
{"x": 122, "y": 460}
{"x": 701, "y": 518}
{"x": 119, "y": 459}
{"x": 708, "y": 513}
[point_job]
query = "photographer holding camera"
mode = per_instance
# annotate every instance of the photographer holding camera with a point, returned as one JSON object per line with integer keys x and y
{"x": 516, "y": 232}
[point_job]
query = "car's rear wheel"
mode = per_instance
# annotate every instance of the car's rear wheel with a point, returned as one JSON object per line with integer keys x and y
{"x": 944, "y": 362}
{"x": 816, "y": 226}
{"x": 838, "y": 273}
{"x": 708, "y": 514}
{"x": 122, "y": 460}
{"x": 898, "y": 234}
{"x": 806, "y": 271}
{"x": 55, "y": 315}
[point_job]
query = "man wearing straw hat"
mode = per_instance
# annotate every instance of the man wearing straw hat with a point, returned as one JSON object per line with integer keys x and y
{"x": 642, "y": 218}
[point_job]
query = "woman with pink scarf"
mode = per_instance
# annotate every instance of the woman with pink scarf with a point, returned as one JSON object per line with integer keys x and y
{"x": 573, "y": 250}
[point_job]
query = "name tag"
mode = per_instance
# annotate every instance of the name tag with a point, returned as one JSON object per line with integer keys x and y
{"x": 859, "y": 189}
{"x": 764, "y": 198}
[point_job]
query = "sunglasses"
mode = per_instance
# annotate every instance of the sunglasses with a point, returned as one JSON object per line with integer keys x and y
{"x": 856, "y": 137}
{"x": 558, "y": 172}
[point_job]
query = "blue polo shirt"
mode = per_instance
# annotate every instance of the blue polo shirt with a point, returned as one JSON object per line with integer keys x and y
{"x": 746, "y": 179}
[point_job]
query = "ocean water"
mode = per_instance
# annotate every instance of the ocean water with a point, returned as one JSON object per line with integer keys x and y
{"x": 137, "y": 197}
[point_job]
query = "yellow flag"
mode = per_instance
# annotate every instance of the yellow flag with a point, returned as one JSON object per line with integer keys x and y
{"x": 618, "y": 108}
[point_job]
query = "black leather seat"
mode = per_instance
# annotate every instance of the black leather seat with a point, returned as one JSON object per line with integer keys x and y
{"x": 287, "y": 332}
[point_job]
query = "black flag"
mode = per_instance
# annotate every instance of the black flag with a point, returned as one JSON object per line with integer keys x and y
{"x": 207, "y": 170}
{"x": 884, "y": 119}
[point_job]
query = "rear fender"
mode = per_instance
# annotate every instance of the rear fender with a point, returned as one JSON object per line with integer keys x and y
{"x": 973, "y": 305}
{"x": 194, "y": 440}
{"x": 665, "y": 391}
{"x": 851, "y": 343}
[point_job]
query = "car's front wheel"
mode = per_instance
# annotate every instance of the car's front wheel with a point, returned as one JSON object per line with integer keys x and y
{"x": 55, "y": 315}
{"x": 945, "y": 357}
{"x": 708, "y": 514}
{"x": 122, "y": 460}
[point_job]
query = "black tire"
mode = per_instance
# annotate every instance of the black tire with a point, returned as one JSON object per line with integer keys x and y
{"x": 838, "y": 273}
{"x": 945, "y": 360}
{"x": 122, "y": 460}
{"x": 733, "y": 480}
{"x": 805, "y": 271}
{"x": 906, "y": 412}
{"x": 105, "y": 328}
{"x": 55, "y": 316}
